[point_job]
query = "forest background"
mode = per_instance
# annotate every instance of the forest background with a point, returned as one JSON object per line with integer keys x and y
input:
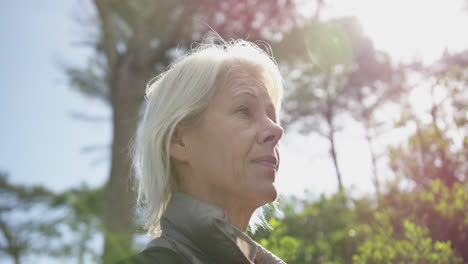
{"x": 374, "y": 159}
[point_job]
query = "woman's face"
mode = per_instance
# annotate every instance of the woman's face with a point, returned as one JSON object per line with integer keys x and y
{"x": 232, "y": 151}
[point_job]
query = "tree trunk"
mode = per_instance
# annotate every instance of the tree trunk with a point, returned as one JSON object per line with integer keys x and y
{"x": 331, "y": 138}
{"x": 373, "y": 159}
{"x": 126, "y": 99}
{"x": 329, "y": 117}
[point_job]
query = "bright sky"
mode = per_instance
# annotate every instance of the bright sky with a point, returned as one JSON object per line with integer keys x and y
{"x": 409, "y": 29}
{"x": 41, "y": 143}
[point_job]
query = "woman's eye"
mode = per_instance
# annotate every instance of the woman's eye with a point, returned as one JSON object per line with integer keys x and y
{"x": 243, "y": 110}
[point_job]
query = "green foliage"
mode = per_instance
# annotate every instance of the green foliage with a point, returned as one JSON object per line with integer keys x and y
{"x": 35, "y": 221}
{"x": 443, "y": 210}
{"x": 22, "y": 235}
{"x": 85, "y": 207}
{"x": 329, "y": 230}
{"x": 417, "y": 226}
{"x": 415, "y": 247}
{"x": 285, "y": 246}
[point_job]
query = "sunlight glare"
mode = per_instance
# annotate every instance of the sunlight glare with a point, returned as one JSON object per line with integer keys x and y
{"x": 410, "y": 29}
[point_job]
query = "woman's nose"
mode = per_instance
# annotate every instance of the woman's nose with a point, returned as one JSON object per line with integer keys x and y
{"x": 270, "y": 132}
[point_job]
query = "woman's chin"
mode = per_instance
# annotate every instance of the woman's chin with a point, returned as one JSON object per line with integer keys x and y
{"x": 266, "y": 195}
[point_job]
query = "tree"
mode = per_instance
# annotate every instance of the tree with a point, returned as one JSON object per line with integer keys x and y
{"x": 436, "y": 149}
{"x": 415, "y": 247}
{"x": 434, "y": 159}
{"x": 440, "y": 209}
{"x": 35, "y": 221}
{"x": 328, "y": 230}
{"x": 334, "y": 73}
{"x": 22, "y": 231}
{"x": 84, "y": 217}
{"x": 137, "y": 40}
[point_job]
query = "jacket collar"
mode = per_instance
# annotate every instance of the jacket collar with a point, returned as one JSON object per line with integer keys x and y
{"x": 206, "y": 230}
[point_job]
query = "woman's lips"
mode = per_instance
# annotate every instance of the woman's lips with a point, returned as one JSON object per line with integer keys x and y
{"x": 267, "y": 161}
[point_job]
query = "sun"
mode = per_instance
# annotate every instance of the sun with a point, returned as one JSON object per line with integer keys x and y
{"x": 408, "y": 30}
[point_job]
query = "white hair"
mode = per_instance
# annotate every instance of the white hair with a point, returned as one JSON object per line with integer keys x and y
{"x": 179, "y": 96}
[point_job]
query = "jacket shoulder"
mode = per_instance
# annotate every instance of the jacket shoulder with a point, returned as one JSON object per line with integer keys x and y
{"x": 155, "y": 255}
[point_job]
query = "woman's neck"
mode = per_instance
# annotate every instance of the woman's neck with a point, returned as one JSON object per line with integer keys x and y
{"x": 238, "y": 213}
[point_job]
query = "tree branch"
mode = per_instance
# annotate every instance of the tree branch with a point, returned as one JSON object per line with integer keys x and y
{"x": 168, "y": 40}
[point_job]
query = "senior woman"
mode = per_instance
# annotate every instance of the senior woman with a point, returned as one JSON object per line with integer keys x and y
{"x": 207, "y": 155}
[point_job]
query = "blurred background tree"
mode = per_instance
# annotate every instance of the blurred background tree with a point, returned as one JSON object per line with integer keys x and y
{"x": 35, "y": 221}
{"x": 336, "y": 73}
{"x": 329, "y": 230}
{"x": 20, "y": 235}
{"x": 414, "y": 247}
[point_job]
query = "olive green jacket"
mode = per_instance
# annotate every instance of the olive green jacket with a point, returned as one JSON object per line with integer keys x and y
{"x": 198, "y": 233}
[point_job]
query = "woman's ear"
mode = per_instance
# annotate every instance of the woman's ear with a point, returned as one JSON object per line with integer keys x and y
{"x": 178, "y": 149}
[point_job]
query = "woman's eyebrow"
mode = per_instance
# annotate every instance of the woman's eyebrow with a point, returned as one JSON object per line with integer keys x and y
{"x": 249, "y": 92}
